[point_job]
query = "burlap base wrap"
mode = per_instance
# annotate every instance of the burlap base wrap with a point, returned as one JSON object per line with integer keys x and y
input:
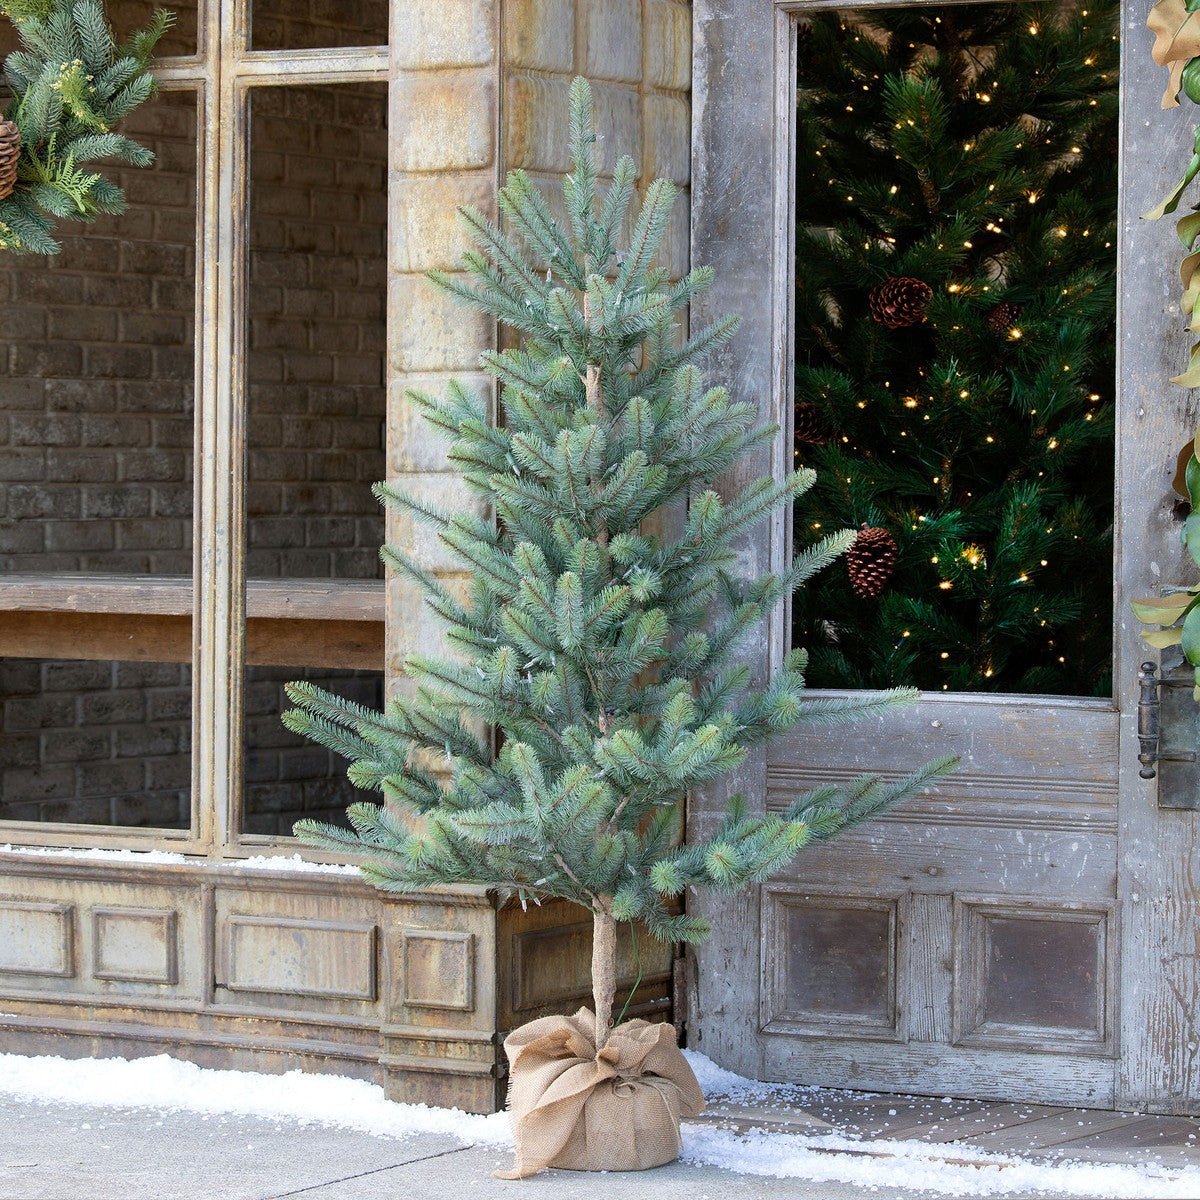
{"x": 616, "y": 1110}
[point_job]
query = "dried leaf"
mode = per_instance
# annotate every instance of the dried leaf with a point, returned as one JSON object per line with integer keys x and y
{"x": 1188, "y": 229}
{"x": 1162, "y": 610}
{"x": 1162, "y": 639}
{"x": 1191, "y": 377}
{"x": 1176, "y": 41}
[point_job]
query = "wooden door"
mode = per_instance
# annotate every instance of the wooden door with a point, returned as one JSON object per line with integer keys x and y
{"x": 1029, "y": 930}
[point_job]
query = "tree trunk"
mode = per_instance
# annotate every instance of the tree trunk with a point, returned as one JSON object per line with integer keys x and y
{"x": 604, "y": 971}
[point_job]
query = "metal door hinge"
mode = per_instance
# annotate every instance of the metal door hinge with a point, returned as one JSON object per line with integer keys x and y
{"x": 1149, "y": 718}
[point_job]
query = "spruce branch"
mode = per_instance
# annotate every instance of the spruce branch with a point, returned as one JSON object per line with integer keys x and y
{"x": 602, "y": 655}
{"x": 70, "y": 85}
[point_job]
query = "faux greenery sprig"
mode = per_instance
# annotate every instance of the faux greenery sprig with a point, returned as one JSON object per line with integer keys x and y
{"x": 70, "y": 84}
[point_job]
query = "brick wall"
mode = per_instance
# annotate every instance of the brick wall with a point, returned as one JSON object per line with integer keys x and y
{"x": 314, "y": 24}
{"x": 316, "y": 399}
{"x": 474, "y": 95}
{"x": 96, "y": 419}
{"x": 95, "y": 742}
{"x": 317, "y": 406}
{"x": 96, "y": 363}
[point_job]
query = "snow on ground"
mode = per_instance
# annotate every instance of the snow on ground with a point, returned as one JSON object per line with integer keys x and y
{"x": 165, "y": 1083}
{"x": 169, "y": 1084}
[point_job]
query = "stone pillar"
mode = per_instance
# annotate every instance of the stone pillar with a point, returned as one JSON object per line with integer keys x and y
{"x": 478, "y": 88}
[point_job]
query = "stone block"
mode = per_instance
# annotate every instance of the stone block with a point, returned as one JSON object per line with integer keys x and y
{"x": 425, "y": 232}
{"x": 436, "y": 34}
{"x": 540, "y": 35}
{"x": 536, "y": 130}
{"x": 612, "y": 39}
{"x": 443, "y": 122}
{"x": 420, "y": 540}
{"x": 413, "y": 627}
{"x": 536, "y": 123}
{"x": 668, "y": 45}
{"x": 667, "y": 138}
{"x": 433, "y": 332}
{"x": 413, "y": 443}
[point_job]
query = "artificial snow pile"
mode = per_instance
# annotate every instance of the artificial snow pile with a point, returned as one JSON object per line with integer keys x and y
{"x": 256, "y": 862}
{"x": 168, "y": 1084}
{"x": 911, "y": 1165}
{"x": 157, "y": 857}
{"x": 171, "y": 1085}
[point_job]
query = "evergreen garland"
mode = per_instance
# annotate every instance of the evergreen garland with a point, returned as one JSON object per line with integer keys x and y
{"x": 604, "y": 656}
{"x": 71, "y": 84}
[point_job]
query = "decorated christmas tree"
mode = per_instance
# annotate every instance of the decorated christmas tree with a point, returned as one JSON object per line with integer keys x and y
{"x": 600, "y": 658}
{"x": 69, "y": 86}
{"x": 955, "y": 293}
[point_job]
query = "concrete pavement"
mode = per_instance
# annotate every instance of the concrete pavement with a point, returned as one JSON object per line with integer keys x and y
{"x": 61, "y": 1152}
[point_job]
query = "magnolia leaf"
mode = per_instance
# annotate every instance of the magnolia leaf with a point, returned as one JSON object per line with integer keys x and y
{"x": 1160, "y": 639}
{"x": 1188, "y": 229}
{"x": 1176, "y": 41}
{"x": 1171, "y": 202}
{"x": 1191, "y": 377}
{"x": 1182, "y": 459}
{"x": 1162, "y": 610}
{"x": 1191, "y": 479}
{"x": 1190, "y": 637}
{"x": 1191, "y": 535}
{"x": 1189, "y": 276}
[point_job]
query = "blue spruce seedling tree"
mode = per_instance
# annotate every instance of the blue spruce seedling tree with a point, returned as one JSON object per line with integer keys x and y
{"x": 601, "y": 658}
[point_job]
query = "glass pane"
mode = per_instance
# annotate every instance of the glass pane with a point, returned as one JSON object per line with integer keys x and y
{"x": 955, "y": 283}
{"x": 95, "y": 742}
{"x": 316, "y": 419}
{"x": 317, "y": 403}
{"x": 288, "y": 776}
{"x": 96, "y": 376}
{"x": 317, "y": 24}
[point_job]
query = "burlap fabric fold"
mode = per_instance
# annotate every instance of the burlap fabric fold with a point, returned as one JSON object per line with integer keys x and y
{"x": 616, "y": 1110}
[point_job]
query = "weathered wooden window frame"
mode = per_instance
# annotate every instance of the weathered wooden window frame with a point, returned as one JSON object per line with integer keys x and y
{"x": 221, "y": 75}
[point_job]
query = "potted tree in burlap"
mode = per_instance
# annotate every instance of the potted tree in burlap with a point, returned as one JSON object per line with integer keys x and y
{"x": 601, "y": 658}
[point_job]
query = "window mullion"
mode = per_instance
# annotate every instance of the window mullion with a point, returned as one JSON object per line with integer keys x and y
{"x": 219, "y": 568}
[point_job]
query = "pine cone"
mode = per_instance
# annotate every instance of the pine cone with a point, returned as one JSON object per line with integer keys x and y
{"x": 900, "y": 302}
{"x": 871, "y": 561}
{"x": 1002, "y": 318}
{"x": 807, "y": 429}
{"x": 10, "y": 152}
